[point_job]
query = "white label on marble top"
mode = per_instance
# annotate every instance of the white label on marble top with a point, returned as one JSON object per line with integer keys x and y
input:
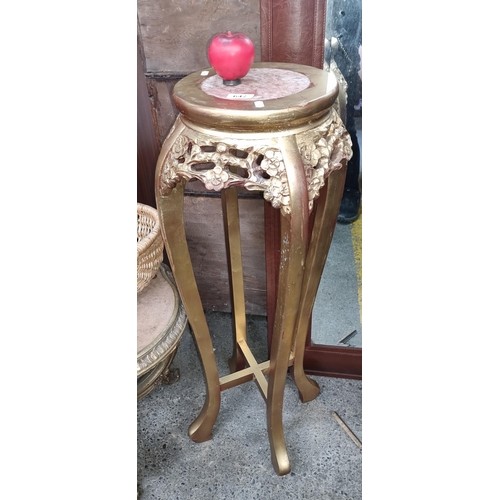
{"x": 262, "y": 83}
{"x": 240, "y": 96}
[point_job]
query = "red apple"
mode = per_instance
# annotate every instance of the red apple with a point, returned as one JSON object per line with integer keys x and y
{"x": 231, "y": 55}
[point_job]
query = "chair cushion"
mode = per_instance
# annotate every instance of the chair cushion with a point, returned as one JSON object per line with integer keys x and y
{"x": 160, "y": 319}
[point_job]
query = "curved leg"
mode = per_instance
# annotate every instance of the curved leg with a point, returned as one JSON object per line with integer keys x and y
{"x": 324, "y": 226}
{"x": 292, "y": 260}
{"x": 170, "y": 210}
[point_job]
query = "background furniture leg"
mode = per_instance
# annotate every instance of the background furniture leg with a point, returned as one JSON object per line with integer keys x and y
{"x": 232, "y": 235}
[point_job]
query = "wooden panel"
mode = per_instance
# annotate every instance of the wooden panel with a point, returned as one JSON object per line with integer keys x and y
{"x": 175, "y": 33}
{"x": 148, "y": 144}
{"x": 293, "y": 31}
{"x": 164, "y": 108}
{"x": 205, "y": 235}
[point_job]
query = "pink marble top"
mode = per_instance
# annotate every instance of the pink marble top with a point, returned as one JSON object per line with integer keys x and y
{"x": 260, "y": 84}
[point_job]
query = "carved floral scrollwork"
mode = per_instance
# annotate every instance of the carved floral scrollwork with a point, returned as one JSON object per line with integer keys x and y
{"x": 256, "y": 166}
{"x": 323, "y": 150}
{"x": 216, "y": 178}
{"x": 220, "y": 165}
{"x": 276, "y": 191}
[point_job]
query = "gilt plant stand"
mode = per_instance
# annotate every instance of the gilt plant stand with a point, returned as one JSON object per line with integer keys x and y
{"x": 278, "y": 132}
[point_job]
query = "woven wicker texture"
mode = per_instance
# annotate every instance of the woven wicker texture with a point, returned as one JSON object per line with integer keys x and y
{"x": 149, "y": 245}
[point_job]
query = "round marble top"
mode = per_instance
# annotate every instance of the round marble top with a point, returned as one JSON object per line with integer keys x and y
{"x": 259, "y": 84}
{"x": 272, "y": 97}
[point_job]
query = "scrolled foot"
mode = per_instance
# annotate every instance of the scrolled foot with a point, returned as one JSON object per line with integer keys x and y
{"x": 279, "y": 454}
{"x": 307, "y": 387}
{"x": 198, "y": 434}
{"x": 280, "y": 460}
{"x": 201, "y": 429}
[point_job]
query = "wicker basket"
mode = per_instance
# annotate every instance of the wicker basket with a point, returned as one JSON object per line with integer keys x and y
{"x": 149, "y": 245}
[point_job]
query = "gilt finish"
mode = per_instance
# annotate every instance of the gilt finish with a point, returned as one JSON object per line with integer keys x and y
{"x": 213, "y": 161}
{"x": 288, "y": 148}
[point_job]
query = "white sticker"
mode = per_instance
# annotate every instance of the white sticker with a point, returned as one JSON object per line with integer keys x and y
{"x": 204, "y": 73}
{"x": 259, "y": 104}
{"x": 240, "y": 96}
